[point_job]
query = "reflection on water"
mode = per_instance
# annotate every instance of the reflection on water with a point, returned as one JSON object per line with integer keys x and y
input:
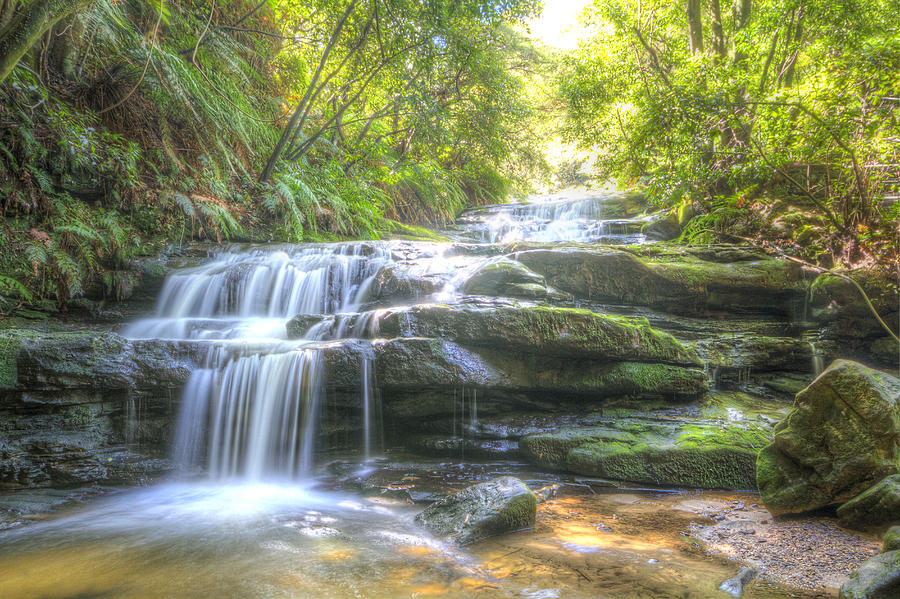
{"x": 265, "y": 540}
{"x": 240, "y": 541}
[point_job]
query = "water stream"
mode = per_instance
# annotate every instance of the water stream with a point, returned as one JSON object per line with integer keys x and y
{"x": 250, "y": 515}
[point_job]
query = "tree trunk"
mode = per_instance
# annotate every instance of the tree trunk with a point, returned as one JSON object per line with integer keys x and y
{"x": 27, "y": 26}
{"x": 715, "y": 24}
{"x": 695, "y": 26}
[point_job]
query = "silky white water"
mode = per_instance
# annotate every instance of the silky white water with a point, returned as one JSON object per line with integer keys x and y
{"x": 250, "y": 411}
{"x": 579, "y": 217}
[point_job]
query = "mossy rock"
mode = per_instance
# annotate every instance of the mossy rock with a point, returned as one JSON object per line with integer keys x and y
{"x": 841, "y": 437}
{"x": 10, "y": 345}
{"x": 877, "y": 578}
{"x": 495, "y": 277}
{"x": 396, "y": 281}
{"x": 674, "y": 453}
{"x": 482, "y": 510}
{"x": 880, "y": 504}
{"x": 891, "y": 539}
{"x": 561, "y": 332}
{"x": 679, "y": 280}
{"x": 759, "y": 353}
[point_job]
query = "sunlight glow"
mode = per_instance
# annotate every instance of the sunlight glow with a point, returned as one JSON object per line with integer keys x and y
{"x": 558, "y": 25}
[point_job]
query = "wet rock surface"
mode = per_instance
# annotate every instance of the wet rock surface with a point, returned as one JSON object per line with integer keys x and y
{"x": 85, "y": 406}
{"x": 842, "y": 436}
{"x": 477, "y": 512}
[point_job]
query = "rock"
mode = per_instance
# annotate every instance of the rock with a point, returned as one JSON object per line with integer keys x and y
{"x": 879, "y": 504}
{"x": 652, "y": 451}
{"x": 759, "y": 353}
{"x": 684, "y": 281}
{"x": 459, "y": 447}
{"x": 877, "y": 578}
{"x": 93, "y": 360}
{"x": 891, "y": 539}
{"x": 886, "y": 349}
{"x": 397, "y": 281}
{"x": 663, "y": 225}
{"x": 547, "y": 493}
{"x": 561, "y": 332}
{"x": 735, "y": 586}
{"x": 496, "y": 276}
{"x": 841, "y": 437}
{"x": 482, "y": 510}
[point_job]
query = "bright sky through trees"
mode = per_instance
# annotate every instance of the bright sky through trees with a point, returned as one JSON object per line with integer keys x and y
{"x": 558, "y": 25}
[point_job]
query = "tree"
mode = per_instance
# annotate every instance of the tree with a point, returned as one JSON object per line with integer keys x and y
{"x": 22, "y": 23}
{"x": 374, "y": 62}
{"x": 782, "y": 98}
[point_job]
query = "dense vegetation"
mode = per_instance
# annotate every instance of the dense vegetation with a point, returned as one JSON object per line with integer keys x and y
{"x": 127, "y": 125}
{"x": 770, "y": 120}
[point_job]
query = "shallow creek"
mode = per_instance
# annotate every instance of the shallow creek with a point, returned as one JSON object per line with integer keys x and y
{"x": 256, "y": 512}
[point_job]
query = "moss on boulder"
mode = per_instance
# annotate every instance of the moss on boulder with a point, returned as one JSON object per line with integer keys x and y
{"x": 482, "y": 510}
{"x": 877, "y": 578}
{"x": 880, "y": 504}
{"x": 683, "y": 280}
{"x": 841, "y": 437}
{"x": 662, "y": 453}
{"x": 562, "y": 332}
{"x": 891, "y": 539}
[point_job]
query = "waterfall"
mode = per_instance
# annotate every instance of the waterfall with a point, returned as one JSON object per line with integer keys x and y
{"x": 579, "y": 218}
{"x": 818, "y": 359}
{"x": 250, "y": 411}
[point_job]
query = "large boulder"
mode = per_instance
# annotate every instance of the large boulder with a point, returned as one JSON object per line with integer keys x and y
{"x": 841, "y": 437}
{"x": 560, "y": 332}
{"x": 683, "y": 280}
{"x": 891, "y": 539}
{"x": 879, "y": 504}
{"x": 482, "y": 510}
{"x": 877, "y": 578}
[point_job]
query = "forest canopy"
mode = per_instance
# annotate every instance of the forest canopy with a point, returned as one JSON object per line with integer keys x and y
{"x": 127, "y": 126}
{"x": 769, "y": 118}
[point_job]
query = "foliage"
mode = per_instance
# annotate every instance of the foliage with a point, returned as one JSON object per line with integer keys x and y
{"x": 133, "y": 124}
{"x": 779, "y": 101}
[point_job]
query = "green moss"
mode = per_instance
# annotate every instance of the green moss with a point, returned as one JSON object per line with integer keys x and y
{"x": 709, "y": 468}
{"x": 698, "y": 437}
{"x": 9, "y": 354}
{"x": 655, "y": 451}
{"x": 78, "y": 416}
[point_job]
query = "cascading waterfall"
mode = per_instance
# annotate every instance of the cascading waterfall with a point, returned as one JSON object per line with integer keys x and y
{"x": 579, "y": 219}
{"x": 250, "y": 411}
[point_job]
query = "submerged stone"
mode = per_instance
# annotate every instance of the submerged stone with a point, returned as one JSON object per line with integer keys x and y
{"x": 482, "y": 510}
{"x": 734, "y": 586}
{"x": 841, "y": 437}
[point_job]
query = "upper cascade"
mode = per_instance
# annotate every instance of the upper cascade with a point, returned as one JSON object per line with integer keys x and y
{"x": 246, "y": 293}
{"x": 575, "y": 216}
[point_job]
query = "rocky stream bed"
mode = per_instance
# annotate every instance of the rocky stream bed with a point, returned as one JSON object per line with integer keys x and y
{"x": 556, "y": 341}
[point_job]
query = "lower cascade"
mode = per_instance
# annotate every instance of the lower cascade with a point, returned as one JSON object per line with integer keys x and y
{"x": 252, "y": 414}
